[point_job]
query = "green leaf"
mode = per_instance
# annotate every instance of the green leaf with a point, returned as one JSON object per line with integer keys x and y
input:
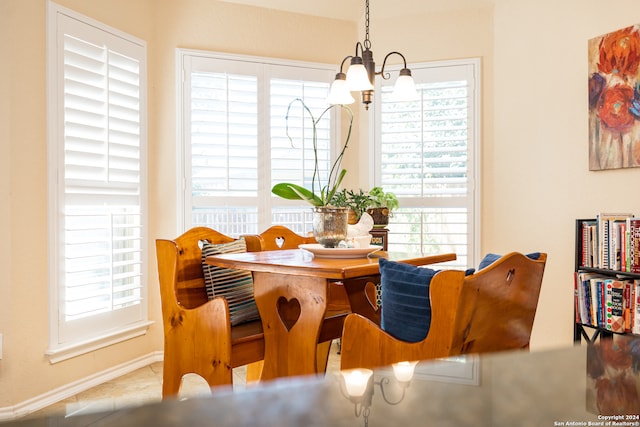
{"x": 335, "y": 187}
{"x": 295, "y": 192}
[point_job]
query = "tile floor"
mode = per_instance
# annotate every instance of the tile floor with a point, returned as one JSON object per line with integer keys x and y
{"x": 145, "y": 386}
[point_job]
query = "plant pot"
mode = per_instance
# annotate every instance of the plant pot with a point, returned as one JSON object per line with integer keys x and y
{"x": 353, "y": 217}
{"x": 380, "y": 216}
{"x": 330, "y": 225}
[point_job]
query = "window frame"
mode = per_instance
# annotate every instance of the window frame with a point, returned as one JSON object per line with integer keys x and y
{"x": 473, "y": 149}
{"x": 66, "y": 340}
{"x": 269, "y": 68}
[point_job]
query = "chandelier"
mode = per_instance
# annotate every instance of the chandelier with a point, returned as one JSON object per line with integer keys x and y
{"x": 361, "y": 75}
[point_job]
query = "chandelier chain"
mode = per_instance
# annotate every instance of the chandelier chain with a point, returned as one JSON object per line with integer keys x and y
{"x": 367, "y": 42}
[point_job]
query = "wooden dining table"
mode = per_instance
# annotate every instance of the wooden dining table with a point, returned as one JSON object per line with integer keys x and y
{"x": 290, "y": 289}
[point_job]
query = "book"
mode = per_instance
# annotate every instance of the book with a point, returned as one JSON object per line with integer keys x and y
{"x": 586, "y": 303}
{"x": 596, "y": 305}
{"x": 628, "y": 298}
{"x": 623, "y": 246}
{"x": 577, "y": 293}
{"x": 634, "y": 245}
{"x": 615, "y": 250}
{"x": 586, "y": 286}
{"x": 587, "y": 236}
{"x": 614, "y": 305}
{"x": 583, "y": 298}
{"x": 635, "y": 315}
{"x": 632, "y": 304}
{"x": 588, "y": 243}
{"x": 604, "y": 226}
{"x": 584, "y": 244}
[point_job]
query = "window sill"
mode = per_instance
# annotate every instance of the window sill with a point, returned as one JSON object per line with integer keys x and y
{"x": 65, "y": 352}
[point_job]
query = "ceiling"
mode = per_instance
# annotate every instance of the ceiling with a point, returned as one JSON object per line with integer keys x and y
{"x": 352, "y": 10}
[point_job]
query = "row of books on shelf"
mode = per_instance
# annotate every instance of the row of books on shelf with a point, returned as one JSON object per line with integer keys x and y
{"x": 611, "y": 241}
{"x": 607, "y": 302}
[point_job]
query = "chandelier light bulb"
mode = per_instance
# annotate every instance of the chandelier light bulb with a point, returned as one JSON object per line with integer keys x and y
{"x": 339, "y": 93}
{"x": 405, "y": 88}
{"x": 403, "y": 371}
{"x": 356, "y": 381}
{"x": 358, "y": 78}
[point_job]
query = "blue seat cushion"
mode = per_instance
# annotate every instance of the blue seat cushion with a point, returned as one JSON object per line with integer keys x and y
{"x": 491, "y": 258}
{"x": 406, "y": 309}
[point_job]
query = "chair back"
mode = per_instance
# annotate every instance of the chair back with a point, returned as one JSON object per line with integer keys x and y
{"x": 274, "y": 238}
{"x": 180, "y": 266}
{"x": 498, "y": 305}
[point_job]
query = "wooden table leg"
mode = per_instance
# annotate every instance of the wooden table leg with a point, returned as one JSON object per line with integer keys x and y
{"x": 292, "y": 309}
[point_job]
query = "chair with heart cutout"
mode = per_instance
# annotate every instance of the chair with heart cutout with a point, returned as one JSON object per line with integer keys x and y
{"x": 198, "y": 335}
{"x": 490, "y": 310}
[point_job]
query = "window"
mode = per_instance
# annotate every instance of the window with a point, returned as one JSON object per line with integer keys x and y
{"x": 97, "y": 188}
{"x": 234, "y": 143}
{"x": 427, "y": 152}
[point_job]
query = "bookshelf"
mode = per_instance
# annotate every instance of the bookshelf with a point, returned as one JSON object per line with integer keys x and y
{"x": 603, "y": 294}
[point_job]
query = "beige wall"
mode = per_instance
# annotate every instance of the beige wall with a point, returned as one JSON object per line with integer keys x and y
{"x": 536, "y": 168}
{"x": 534, "y": 136}
{"x": 25, "y": 372}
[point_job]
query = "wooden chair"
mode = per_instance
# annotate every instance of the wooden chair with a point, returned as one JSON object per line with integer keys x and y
{"x": 198, "y": 336}
{"x": 491, "y": 310}
{"x": 278, "y": 237}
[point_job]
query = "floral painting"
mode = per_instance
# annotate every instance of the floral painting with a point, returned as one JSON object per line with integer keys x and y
{"x": 613, "y": 382}
{"x": 614, "y": 100}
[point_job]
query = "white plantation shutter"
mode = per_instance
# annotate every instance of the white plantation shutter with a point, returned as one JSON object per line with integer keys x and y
{"x": 98, "y": 143}
{"x": 224, "y": 131}
{"x": 292, "y": 160}
{"x": 235, "y": 146}
{"x": 221, "y": 171}
{"x": 426, "y": 154}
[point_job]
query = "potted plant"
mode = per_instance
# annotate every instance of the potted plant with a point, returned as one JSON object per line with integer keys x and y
{"x": 357, "y": 202}
{"x": 383, "y": 203}
{"x": 329, "y": 221}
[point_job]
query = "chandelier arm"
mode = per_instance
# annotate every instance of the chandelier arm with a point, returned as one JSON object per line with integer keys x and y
{"x": 358, "y": 44}
{"x": 387, "y": 76}
{"x": 344, "y": 60}
{"x": 382, "y": 383}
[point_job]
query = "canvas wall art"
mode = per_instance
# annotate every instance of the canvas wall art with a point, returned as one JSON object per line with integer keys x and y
{"x": 614, "y": 100}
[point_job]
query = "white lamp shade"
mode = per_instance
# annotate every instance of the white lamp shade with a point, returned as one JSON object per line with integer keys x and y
{"x": 403, "y": 371}
{"x": 356, "y": 381}
{"x": 405, "y": 89}
{"x": 339, "y": 93}
{"x": 358, "y": 78}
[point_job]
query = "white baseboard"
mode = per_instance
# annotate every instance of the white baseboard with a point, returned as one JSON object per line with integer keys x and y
{"x": 39, "y": 402}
